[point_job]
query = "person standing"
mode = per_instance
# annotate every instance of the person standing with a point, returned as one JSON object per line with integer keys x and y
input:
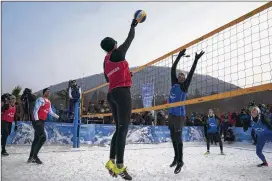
{"x": 262, "y": 128}
{"x": 213, "y": 131}
{"x": 41, "y": 110}
{"x": 8, "y": 111}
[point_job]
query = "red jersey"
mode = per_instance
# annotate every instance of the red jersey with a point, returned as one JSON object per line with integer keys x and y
{"x": 44, "y": 109}
{"x": 117, "y": 72}
{"x": 9, "y": 114}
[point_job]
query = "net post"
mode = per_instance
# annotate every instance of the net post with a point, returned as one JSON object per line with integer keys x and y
{"x": 79, "y": 123}
{"x": 76, "y": 120}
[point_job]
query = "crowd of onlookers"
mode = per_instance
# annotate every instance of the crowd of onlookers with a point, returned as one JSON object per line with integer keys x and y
{"x": 234, "y": 118}
{"x": 25, "y": 104}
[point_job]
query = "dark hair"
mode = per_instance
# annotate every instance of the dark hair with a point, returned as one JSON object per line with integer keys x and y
{"x": 108, "y": 44}
{"x": 44, "y": 90}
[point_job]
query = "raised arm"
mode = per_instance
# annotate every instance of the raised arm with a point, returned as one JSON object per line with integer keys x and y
{"x": 191, "y": 73}
{"x": 174, "y": 78}
{"x": 121, "y": 51}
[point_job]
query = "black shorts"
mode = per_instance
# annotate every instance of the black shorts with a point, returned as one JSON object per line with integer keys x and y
{"x": 6, "y": 127}
{"x": 176, "y": 122}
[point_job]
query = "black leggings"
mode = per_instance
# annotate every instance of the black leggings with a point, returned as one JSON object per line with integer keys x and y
{"x": 216, "y": 136}
{"x": 175, "y": 124}
{"x": 5, "y": 131}
{"x": 120, "y": 102}
{"x": 177, "y": 144}
{"x": 39, "y": 138}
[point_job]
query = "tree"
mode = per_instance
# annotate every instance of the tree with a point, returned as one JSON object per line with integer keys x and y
{"x": 63, "y": 95}
{"x": 16, "y": 91}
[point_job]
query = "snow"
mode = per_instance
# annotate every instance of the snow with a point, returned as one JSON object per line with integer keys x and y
{"x": 146, "y": 162}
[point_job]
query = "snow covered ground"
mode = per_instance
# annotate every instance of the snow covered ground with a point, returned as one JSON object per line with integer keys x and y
{"x": 145, "y": 162}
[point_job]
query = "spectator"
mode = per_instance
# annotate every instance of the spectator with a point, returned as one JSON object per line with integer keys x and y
{"x": 243, "y": 116}
{"x": 138, "y": 119}
{"x": 225, "y": 124}
{"x": 230, "y": 137}
{"x": 161, "y": 118}
{"x": 28, "y": 102}
{"x": 74, "y": 96}
{"x": 148, "y": 118}
{"x": 19, "y": 112}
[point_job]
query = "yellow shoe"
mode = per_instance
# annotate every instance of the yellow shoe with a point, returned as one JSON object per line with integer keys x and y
{"x": 122, "y": 172}
{"x": 109, "y": 166}
{"x": 207, "y": 153}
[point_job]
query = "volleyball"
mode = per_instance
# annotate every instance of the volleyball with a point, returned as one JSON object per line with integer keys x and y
{"x": 140, "y": 16}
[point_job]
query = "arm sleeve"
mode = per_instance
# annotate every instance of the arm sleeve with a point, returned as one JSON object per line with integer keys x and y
{"x": 70, "y": 93}
{"x": 107, "y": 79}
{"x": 174, "y": 78}
{"x": 38, "y": 104}
{"x": 190, "y": 75}
{"x": 52, "y": 113}
{"x": 122, "y": 49}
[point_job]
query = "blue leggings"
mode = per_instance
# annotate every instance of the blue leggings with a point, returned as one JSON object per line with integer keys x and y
{"x": 262, "y": 139}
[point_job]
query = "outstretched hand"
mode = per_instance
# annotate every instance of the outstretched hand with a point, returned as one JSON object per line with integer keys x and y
{"x": 198, "y": 56}
{"x": 134, "y": 23}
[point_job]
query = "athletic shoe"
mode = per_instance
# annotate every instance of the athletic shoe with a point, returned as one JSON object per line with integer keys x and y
{"x": 207, "y": 153}
{"x": 37, "y": 160}
{"x": 31, "y": 160}
{"x": 4, "y": 153}
{"x": 178, "y": 167}
{"x": 109, "y": 166}
{"x": 265, "y": 164}
{"x": 122, "y": 172}
{"x": 174, "y": 163}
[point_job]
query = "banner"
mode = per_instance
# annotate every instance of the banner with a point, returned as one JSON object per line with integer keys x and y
{"x": 98, "y": 134}
{"x": 147, "y": 94}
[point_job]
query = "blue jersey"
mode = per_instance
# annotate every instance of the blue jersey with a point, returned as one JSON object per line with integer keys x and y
{"x": 177, "y": 95}
{"x": 260, "y": 128}
{"x": 212, "y": 125}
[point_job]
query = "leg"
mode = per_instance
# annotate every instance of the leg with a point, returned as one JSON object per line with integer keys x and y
{"x": 259, "y": 148}
{"x": 179, "y": 123}
{"x": 215, "y": 139}
{"x": 208, "y": 142}
{"x": 220, "y": 142}
{"x": 174, "y": 142}
{"x": 35, "y": 141}
{"x": 173, "y": 138}
{"x": 113, "y": 140}
{"x": 5, "y": 133}
{"x": 253, "y": 136}
{"x": 41, "y": 137}
{"x": 122, "y": 99}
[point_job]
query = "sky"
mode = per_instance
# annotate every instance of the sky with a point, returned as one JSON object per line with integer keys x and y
{"x": 46, "y": 43}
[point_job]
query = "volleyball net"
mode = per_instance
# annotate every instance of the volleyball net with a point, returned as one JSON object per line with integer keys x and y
{"x": 237, "y": 61}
